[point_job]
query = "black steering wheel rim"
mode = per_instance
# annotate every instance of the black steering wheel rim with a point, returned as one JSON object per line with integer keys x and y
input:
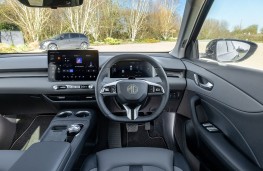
{"x": 105, "y": 70}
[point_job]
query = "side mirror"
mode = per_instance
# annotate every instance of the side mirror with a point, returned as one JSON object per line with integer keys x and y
{"x": 230, "y": 50}
{"x": 61, "y": 38}
{"x": 51, "y": 3}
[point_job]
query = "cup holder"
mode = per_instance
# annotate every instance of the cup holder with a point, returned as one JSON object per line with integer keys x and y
{"x": 82, "y": 114}
{"x": 65, "y": 114}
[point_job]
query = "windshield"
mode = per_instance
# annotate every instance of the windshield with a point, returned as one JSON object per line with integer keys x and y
{"x": 104, "y": 25}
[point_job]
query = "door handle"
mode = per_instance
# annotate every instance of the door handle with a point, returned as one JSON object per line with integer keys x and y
{"x": 207, "y": 85}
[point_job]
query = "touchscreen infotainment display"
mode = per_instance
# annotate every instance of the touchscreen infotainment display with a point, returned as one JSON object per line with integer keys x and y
{"x": 73, "y": 65}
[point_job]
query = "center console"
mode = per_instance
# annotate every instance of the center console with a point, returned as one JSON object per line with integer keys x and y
{"x": 72, "y": 126}
{"x": 61, "y": 144}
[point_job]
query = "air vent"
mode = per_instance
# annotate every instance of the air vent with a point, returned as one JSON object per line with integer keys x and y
{"x": 26, "y": 74}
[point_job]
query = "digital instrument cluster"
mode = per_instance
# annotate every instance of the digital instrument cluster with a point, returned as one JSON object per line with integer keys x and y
{"x": 126, "y": 69}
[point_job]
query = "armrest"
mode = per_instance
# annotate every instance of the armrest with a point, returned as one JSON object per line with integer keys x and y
{"x": 43, "y": 156}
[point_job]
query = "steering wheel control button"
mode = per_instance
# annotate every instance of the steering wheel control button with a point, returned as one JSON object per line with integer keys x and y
{"x": 151, "y": 89}
{"x": 113, "y": 89}
{"x": 155, "y": 89}
{"x": 109, "y": 89}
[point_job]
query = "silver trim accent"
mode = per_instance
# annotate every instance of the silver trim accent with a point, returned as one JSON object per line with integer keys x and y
{"x": 55, "y": 87}
{"x": 91, "y": 86}
{"x": 208, "y": 86}
{"x": 63, "y": 114}
{"x": 129, "y": 112}
{"x": 82, "y": 111}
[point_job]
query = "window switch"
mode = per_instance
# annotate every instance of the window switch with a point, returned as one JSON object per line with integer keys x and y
{"x": 210, "y": 127}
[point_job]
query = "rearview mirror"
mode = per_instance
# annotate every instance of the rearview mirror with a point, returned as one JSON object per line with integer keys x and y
{"x": 51, "y": 3}
{"x": 229, "y": 50}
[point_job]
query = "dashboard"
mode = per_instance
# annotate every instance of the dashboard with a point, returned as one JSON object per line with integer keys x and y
{"x": 25, "y": 79}
{"x": 30, "y": 74}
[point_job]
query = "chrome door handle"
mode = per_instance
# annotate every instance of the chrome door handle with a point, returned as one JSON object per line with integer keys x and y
{"x": 207, "y": 86}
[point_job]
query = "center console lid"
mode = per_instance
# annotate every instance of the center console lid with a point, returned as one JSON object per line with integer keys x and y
{"x": 43, "y": 156}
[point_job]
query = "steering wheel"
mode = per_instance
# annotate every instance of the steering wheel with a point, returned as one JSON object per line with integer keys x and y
{"x": 131, "y": 93}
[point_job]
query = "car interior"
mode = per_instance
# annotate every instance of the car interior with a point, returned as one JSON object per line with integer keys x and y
{"x": 86, "y": 110}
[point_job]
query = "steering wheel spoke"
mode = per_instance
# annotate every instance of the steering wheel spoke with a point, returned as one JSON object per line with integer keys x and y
{"x": 109, "y": 89}
{"x": 155, "y": 89}
{"x": 132, "y": 113}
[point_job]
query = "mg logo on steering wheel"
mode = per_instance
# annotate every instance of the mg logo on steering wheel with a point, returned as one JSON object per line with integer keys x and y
{"x": 132, "y": 89}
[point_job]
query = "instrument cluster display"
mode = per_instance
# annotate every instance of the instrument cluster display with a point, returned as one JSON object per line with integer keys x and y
{"x": 126, "y": 69}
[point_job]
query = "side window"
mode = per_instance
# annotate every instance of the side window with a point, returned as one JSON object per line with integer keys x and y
{"x": 64, "y": 36}
{"x": 82, "y": 36}
{"x": 231, "y": 36}
{"x": 74, "y": 35}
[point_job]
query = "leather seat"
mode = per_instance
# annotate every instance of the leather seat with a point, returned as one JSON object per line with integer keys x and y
{"x": 136, "y": 159}
{"x": 8, "y": 158}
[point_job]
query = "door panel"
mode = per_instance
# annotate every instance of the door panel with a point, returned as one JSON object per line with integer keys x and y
{"x": 218, "y": 143}
{"x": 248, "y": 80}
{"x": 222, "y": 91}
{"x": 236, "y": 113}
